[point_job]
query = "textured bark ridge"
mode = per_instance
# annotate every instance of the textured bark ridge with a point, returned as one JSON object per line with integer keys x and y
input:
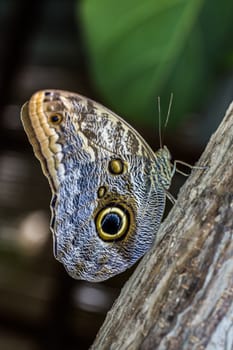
{"x": 181, "y": 294}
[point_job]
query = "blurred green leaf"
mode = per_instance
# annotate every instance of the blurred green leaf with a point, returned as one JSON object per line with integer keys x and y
{"x": 143, "y": 49}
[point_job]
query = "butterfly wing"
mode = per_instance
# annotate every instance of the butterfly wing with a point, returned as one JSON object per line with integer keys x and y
{"x": 108, "y": 198}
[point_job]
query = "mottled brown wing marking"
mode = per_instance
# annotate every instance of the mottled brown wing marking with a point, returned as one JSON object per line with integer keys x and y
{"x": 132, "y": 142}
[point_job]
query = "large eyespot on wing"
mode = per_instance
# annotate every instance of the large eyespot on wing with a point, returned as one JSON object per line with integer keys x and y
{"x": 112, "y": 222}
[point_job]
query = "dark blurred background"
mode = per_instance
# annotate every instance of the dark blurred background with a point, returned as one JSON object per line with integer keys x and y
{"x": 122, "y": 54}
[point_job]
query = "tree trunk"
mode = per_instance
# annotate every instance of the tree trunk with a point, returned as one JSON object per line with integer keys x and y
{"x": 181, "y": 294}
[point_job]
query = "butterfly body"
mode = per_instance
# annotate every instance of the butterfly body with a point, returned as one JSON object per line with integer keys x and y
{"x": 109, "y": 187}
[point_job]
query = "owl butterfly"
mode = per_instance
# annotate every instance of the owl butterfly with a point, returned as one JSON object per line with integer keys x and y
{"x": 108, "y": 186}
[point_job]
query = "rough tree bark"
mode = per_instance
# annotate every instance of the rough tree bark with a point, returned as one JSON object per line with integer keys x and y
{"x": 181, "y": 294}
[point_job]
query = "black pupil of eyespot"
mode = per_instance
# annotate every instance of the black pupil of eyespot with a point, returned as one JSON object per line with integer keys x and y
{"x": 54, "y": 118}
{"x": 111, "y": 223}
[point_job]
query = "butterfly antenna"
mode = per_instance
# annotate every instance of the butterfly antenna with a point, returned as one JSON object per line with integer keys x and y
{"x": 169, "y": 110}
{"x": 160, "y": 133}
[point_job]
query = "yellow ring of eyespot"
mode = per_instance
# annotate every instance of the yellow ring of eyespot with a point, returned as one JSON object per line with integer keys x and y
{"x": 55, "y": 122}
{"x": 124, "y": 225}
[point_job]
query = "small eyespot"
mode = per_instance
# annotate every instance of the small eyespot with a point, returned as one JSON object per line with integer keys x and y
{"x": 116, "y": 166}
{"x": 112, "y": 223}
{"x": 101, "y": 191}
{"x": 55, "y": 118}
